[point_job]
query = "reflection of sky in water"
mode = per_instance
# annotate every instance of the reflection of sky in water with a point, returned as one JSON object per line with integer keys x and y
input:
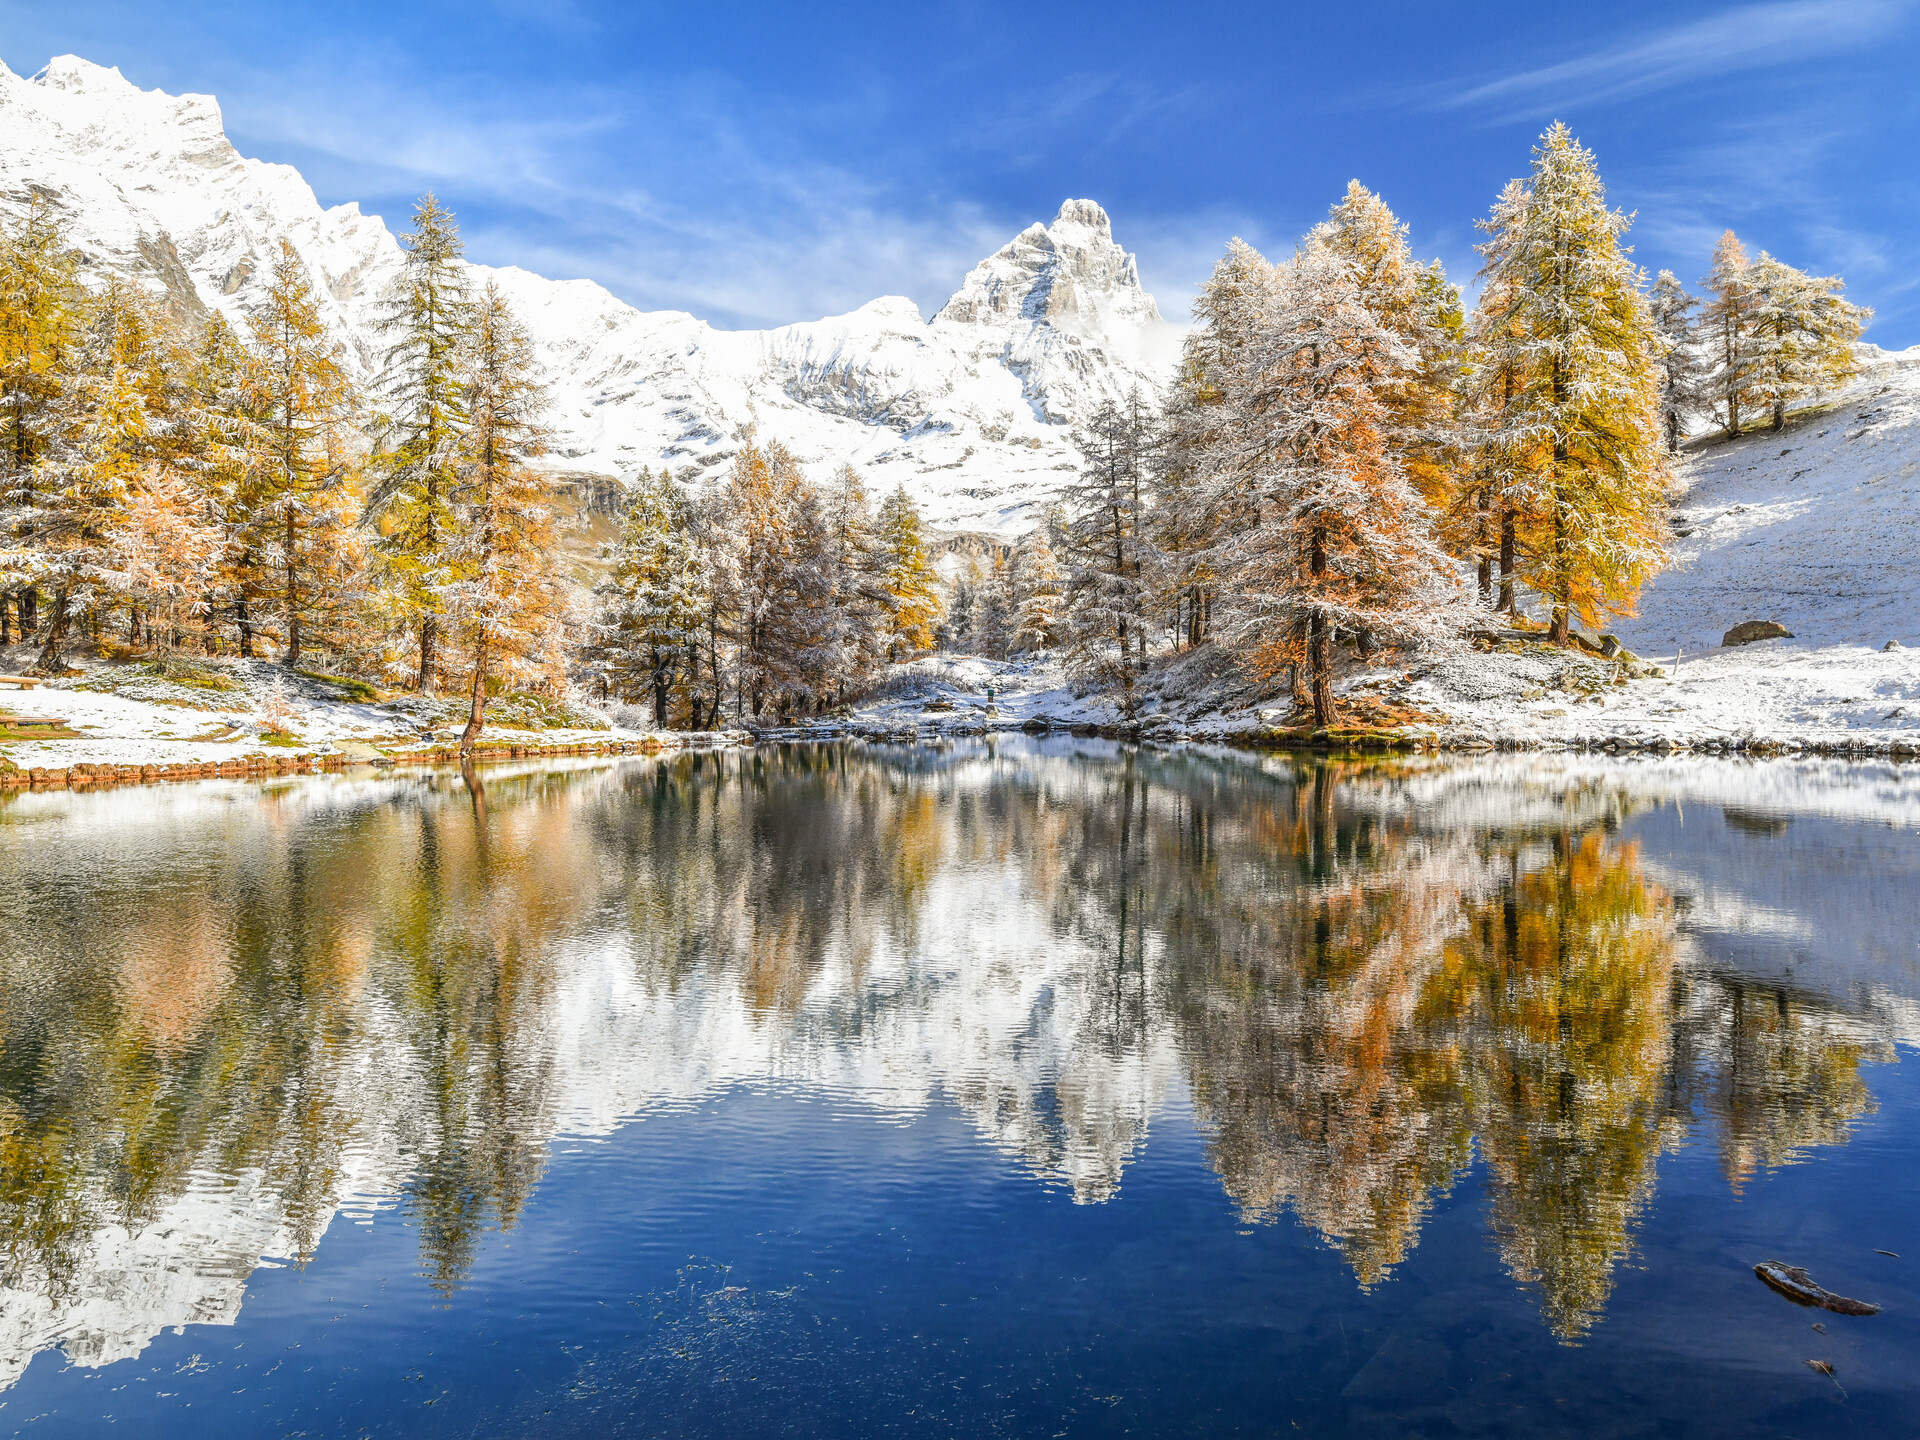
{"x": 994, "y": 1090}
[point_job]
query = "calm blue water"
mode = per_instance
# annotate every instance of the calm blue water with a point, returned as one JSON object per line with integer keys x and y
{"x": 1038, "y": 1088}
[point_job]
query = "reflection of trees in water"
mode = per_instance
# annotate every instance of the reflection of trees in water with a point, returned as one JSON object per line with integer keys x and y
{"x": 1563, "y": 984}
{"x": 226, "y": 1020}
{"x": 1357, "y": 1002}
{"x": 1360, "y": 1003}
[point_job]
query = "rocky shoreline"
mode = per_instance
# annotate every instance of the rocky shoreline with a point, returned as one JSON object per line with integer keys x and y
{"x": 259, "y": 765}
{"x": 1157, "y": 731}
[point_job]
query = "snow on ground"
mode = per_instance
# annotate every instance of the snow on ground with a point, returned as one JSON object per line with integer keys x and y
{"x": 1816, "y": 527}
{"x": 131, "y": 715}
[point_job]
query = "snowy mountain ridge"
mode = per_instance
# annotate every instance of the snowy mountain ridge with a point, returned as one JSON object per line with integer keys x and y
{"x": 972, "y": 411}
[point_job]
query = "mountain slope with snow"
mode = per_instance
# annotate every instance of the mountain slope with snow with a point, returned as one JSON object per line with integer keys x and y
{"x": 972, "y": 411}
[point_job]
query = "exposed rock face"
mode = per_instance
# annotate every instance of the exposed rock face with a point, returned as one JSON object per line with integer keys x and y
{"x": 1748, "y": 631}
{"x": 972, "y": 412}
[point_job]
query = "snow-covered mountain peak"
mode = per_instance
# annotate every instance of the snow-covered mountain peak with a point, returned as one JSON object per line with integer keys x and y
{"x": 1069, "y": 272}
{"x": 973, "y": 412}
{"x": 71, "y": 72}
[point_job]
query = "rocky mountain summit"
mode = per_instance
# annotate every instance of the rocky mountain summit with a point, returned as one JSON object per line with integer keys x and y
{"x": 972, "y": 411}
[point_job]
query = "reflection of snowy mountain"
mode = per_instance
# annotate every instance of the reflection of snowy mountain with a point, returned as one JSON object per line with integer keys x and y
{"x": 1052, "y": 941}
{"x": 972, "y": 411}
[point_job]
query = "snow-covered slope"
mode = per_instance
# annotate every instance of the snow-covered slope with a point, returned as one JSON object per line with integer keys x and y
{"x": 1817, "y": 526}
{"x": 972, "y": 411}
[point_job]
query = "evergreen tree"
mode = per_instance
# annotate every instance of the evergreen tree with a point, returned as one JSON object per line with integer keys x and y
{"x": 1727, "y": 326}
{"x": 910, "y": 594}
{"x": 42, "y": 319}
{"x": 957, "y": 633}
{"x": 505, "y": 592}
{"x": 654, "y": 598}
{"x": 302, "y": 402}
{"x": 1496, "y": 489}
{"x": 782, "y": 582}
{"x": 1416, "y": 304}
{"x": 858, "y": 589}
{"x": 231, "y": 437}
{"x": 994, "y": 617}
{"x": 1584, "y": 414}
{"x": 715, "y": 545}
{"x": 1039, "y": 593}
{"x": 1803, "y": 332}
{"x": 1109, "y": 552}
{"x": 104, "y": 435}
{"x": 1682, "y": 374}
{"x": 1192, "y": 519}
{"x": 423, "y": 393}
{"x": 1340, "y": 538}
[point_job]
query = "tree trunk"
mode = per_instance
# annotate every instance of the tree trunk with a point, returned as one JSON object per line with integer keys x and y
{"x": 1506, "y": 561}
{"x": 241, "y": 619}
{"x": 1779, "y": 414}
{"x": 1485, "y": 579}
{"x": 1320, "y": 668}
{"x": 476, "y": 791}
{"x": 6, "y": 618}
{"x": 292, "y": 656}
{"x": 660, "y": 698}
{"x": 1319, "y": 641}
{"x": 477, "y": 712}
{"x": 56, "y": 632}
{"x": 424, "y": 682}
{"x": 29, "y": 613}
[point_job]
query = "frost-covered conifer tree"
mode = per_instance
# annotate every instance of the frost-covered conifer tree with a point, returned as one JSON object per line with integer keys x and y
{"x": 42, "y": 319}
{"x": 783, "y": 582}
{"x": 1110, "y": 555}
{"x": 1582, "y": 420}
{"x": 303, "y": 403}
{"x": 421, "y": 393}
{"x": 653, "y": 602}
{"x": 1337, "y": 536}
{"x": 1038, "y": 593}
{"x": 1803, "y": 335}
{"x": 957, "y": 634}
{"x": 1417, "y": 305}
{"x": 910, "y": 587}
{"x": 1727, "y": 330}
{"x": 504, "y": 593}
{"x": 857, "y": 592}
{"x": 1495, "y": 489}
{"x": 1191, "y": 518}
{"x": 105, "y": 431}
{"x": 993, "y": 616}
{"x": 1682, "y": 370}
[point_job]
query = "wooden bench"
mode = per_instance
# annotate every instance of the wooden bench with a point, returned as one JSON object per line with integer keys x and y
{"x": 25, "y": 682}
{"x": 31, "y": 722}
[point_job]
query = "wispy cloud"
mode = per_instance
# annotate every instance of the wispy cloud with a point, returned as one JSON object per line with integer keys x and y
{"x": 1746, "y": 38}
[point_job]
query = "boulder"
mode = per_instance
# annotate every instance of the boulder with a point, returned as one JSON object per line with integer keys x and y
{"x": 1748, "y": 631}
{"x": 1893, "y": 645}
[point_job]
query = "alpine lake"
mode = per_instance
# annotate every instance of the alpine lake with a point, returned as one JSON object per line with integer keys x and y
{"x": 1030, "y": 1087}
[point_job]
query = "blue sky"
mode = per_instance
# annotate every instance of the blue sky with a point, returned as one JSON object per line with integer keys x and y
{"x": 757, "y": 164}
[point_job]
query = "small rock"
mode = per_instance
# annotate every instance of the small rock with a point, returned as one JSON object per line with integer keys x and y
{"x": 1748, "y": 631}
{"x": 1892, "y": 645}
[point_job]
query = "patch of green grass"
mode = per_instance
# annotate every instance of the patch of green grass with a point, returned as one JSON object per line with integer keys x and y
{"x": 285, "y": 740}
{"x": 523, "y": 710}
{"x": 358, "y": 690}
